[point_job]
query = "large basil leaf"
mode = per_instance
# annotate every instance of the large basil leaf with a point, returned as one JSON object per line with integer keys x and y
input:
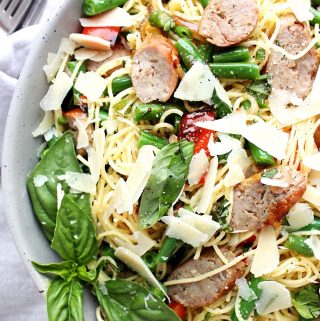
{"x": 169, "y": 173}
{"x": 60, "y": 158}
{"x": 66, "y": 269}
{"x": 74, "y": 236}
{"x": 124, "y": 300}
{"x": 64, "y": 300}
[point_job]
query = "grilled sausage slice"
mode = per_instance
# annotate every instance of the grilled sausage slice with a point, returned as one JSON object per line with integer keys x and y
{"x": 256, "y": 204}
{"x": 204, "y": 292}
{"x": 294, "y": 76}
{"x": 317, "y": 137}
{"x": 228, "y": 22}
{"x": 153, "y": 71}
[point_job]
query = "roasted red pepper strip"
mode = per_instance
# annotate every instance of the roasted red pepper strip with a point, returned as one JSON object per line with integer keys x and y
{"x": 106, "y": 33}
{"x": 178, "y": 308}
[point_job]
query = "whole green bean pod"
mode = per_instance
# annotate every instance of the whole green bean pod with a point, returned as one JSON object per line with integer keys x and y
{"x": 236, "y": 70}
{"x": 148, "y": 112}
{"x": 94, "y": 7}
{"x": 161, "y": 19}
{"x": 259, "y": 156}
{"x": 121, "y": 83}
{"x": 188, "y": 52}
{"x": 297, "y": 244}
{"x": 235, "y": 54}
{"x": 149, "y": 139}
{"x": 205, "y": 52}
{"x": 183, "y": 32}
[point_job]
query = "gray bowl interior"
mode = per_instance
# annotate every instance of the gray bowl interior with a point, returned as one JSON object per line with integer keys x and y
{"x": 19, "y": 148}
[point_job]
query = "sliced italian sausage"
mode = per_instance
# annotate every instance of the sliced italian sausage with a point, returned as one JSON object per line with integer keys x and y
{"x": 317, "y": 137}
{"x": 205, "y": 292}
{"x": 295, "y": 76}
{"x": 256, "y": 204}
{"x": 154, "y": 75}
{"x": 228, "y": 22}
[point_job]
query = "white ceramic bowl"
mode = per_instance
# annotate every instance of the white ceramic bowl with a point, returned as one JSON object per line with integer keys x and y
{"x": 20, "y": 148}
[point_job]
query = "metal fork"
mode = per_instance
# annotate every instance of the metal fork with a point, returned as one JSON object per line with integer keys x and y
{"x": 13, "y": 13}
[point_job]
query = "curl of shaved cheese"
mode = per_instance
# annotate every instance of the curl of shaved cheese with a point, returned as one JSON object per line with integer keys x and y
{"x": 111, "y": 126}
{"x": 312, "y": 195}
{"x": 204, "y": 203}
{"x": 312, "y": 161}
{"x": 116, "y": 17}
{"x": 90, "y": 42}
{"x": 197, "y": 84}
{"x": 300, "y": 215}
{"x": 135, "y": 263}
{"x": 314, "y": 243}
{"x": 102, "y": 55}
{"x": 84, "y": 53}
{"x": 266, "y": 257}
{"x": 226, "y": 145}
{"x": 60, "y": 194}
{"x": 301, "y": 9}
{"x": 83, "y": 139}
{"x": 270, "y": 139}
{"x": 274, "y": 182}
{"x": 198, "y": 167}
{"x": 244, "y": 291}
{"x": 39, "y": 180}
{"x": 120, "y": 200}
{"x": 314, "y": 177}
{"x": 140, "y": 173}
{"x": 221, "y": 92}
{"x": 79, "y": 182}
{"x": 234, "y": 123}
{"x": 56, "y": 93}
{"x": 91, "y": 85}
{"x": 46, "y": 123}
{"x": 274, "y": 297}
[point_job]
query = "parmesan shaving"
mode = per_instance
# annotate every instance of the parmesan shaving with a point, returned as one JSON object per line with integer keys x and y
{"x": 39, "y": 180}
{"x": 198, "y": 167}
{"x": 244, "y": 290}
{"x": 314, "y": 243}
{"x": 226, "y": 145}
{"x": 83, "y": 139}
{"x": 90, "y": 42}
{"x": 312, "y": 161}
{"x": 301, "y": 9}
{"x": 79, "y": 182}
{"x": 46, "y": 123}
{"x": 300, "y": 215}
{"x": 273, "y": 182}
{"x": 312, "y": 195}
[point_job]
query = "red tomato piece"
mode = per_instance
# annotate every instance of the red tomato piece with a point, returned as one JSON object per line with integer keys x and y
{"x": 106, "y": 33}
{"x": 178, "y": 308}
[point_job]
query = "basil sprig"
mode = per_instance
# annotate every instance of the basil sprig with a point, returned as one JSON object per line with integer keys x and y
{"x": 168, "y": 175}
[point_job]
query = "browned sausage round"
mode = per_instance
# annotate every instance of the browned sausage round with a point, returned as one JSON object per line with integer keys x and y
{"x": 294, "y": 76}
{"x": 256, "y": 204}
{"x": 317, "y": 137}
{"x": 154, "y": 75}
{"x": 204, "y": 292}
{"x": 228, "y": 22}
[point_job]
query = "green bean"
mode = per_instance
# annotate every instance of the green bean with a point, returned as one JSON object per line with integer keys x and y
{"x": 94, "y": 7}
{"x": 62, "y": 121}
{"x": 161, "y": 19}
{"x": 204, "y": 2}
{"x": 297, "y": 244}
{"x": 148, "y": 112}
{"x": 259, "y": 156}
{"x": 188, "y": 52}
{"x": 236, "y": 54}
{"x": 260, "y": 54}
{"x": 72, "y": 66}
{"x": 103, "y": 115}
{"x": 246, "y": 104}
{"x": 121, "y": 83}
{"x": 149, "y": 139}
{"x": 183, "y": 32}
{"x": 168, "y": 247}
{"x": 205, "y": 52}
{"x": 176, "y": 123}
{"x": 315, "y": 225}
{"x": 150, "y": 259}
{"x": 236, "y": 70}
{"x": 222, "y": 108}
{"x": 316, "y": 16}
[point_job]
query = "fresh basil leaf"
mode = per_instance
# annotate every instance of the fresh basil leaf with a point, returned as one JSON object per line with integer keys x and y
{"x": 270, "y": 173}
{"x": 66, "y": 269}
{"x": 221, "y": 212}
{"x": 125, "y": 300}
{"x": 90, "y": 276}
{"x": 260, "y": 89}
{"x": 74, "y": 236}
{"x": 64, "y": 300}
{"x": 307, "y": 301}
{"x": 169, "y": 173}
{"x": 60, "y": 158}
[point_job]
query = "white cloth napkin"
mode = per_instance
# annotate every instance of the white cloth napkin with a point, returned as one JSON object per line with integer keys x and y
{"x": 19, "y": 297}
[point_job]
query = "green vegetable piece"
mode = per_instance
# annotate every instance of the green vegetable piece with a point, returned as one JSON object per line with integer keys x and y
{"x": 307, "y": 301}
{"x": 259, "y": 156}
{"x": 169, "y": 172}
{"x": 161, "y": 19}
{"x": 261, "y": 89}
{"x": 72, "y": 66}
{"x": 150, "y": 259}
{"x": 124, "y": 300}
{"x": 236, "y": 70}
{"x": 57, "y": 160}
{"x": 149, "y": 112}
{"x": 270, "y": 173}
{"x": 207, "y": 316}
{"x": 204, "y": 2}
{"x": 188, "y": 52}
{"x": 121, "y": 83}
{"x": 315, "y": 3}
{"x": 75, "y": 236}
{"x": 221, "y": 107}
{"x": 149, "y": 139}
{"x": 220, "y": 213}
{"x": 65, "y": 300}
{"x": 315, "y": 225}
{"x": 205, "y": 52}
{"x": 66, "y": 270}
{"x": 246, "y": 104}
{"x": 297, "y": 244}
{"x": 183, "y": 32}
{"x": 103, "y": 115}
{"x": 94, "y": 7}
{"x": 235, "y": 54}
{"x": 260, "y": 54}
{"x": 90, "y": 276}
{"x": 62, "y": 121}
{"x": 167, "y": 249}
{"x": 316, "y": 16}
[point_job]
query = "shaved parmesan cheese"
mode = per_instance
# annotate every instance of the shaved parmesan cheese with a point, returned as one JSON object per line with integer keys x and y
{"x": 198, "y": 167}
{"x": 314, "y": 177}
{"x": 314, "y": 243}
{"x": 226, "y": 145}
{"x": 84, "y": 54}
{"x": 301, "y": 9}
{"x": 300, "y": 215}
{"x": 39, "y": 180}
{"x": 268, "y": 138}
{"x": 102, "y": 55}
{"x": 207, "y": 191}
{"x": 135, "y": 263}
{"x": 312, "y": 161}
{"x": 234, "y": 123}
{"x": 67, "y": 46}
{"x": 46, "y": 123}
{"x": 266, "y": 257}
{"x": 91, "y": 85}
{"x": 274, "y": 297}
{"x": 120, "y": 200}
{"x": 51, "y": 133}
{"x": 221, "y": 92}
{"x": 273, "y": 182}
{"x": 116, "y": 17}
{"x": 244, "y": 291}
{"x": 312, "y": 195}
{"x": 60, "y": 194}
{"x": 83, "y": 139}
{"x": 56, "y": 93}
{"x": 111, "y": 126}
{"x": 140, "y": 173}
{"x": 197, "y": 84}
{"x": 79, "y": 182}
{"x": 90, "y": 42}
